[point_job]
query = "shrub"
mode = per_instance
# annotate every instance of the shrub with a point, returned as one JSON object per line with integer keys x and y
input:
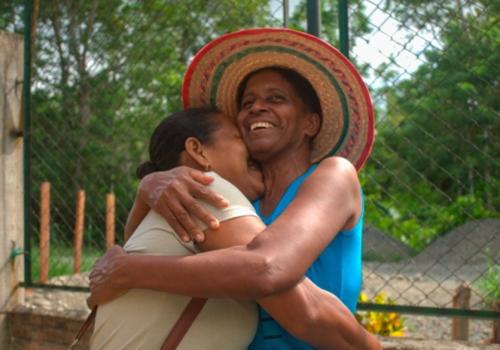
{"x": 382, "y": 323}
{"x": 489, "y": 283}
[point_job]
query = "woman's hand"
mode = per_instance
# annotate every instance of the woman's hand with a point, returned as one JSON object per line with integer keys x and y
{"x": 106, "y": 277}
{"x": 173, "y": 195}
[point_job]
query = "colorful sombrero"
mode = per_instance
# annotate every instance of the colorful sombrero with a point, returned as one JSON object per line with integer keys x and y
{"x": 216, "y": 71}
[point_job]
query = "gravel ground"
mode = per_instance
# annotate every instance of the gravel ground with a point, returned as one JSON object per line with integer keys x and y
{"x": 405, "y": 284}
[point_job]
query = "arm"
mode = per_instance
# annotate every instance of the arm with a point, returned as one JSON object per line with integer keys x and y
{"x": 317, "y": 317}
{"x": 137, "y": 213}
{"x": 260, "y": 268}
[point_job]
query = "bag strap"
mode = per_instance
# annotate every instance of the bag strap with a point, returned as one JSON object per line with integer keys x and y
{"x": 184, "y": 322}
{"x": 174, "y": 337}
{"x": 84, "y": 327}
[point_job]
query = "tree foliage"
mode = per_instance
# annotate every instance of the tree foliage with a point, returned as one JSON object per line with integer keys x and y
{"x": 105, "y": 73}
{"x": 436, "y": 159}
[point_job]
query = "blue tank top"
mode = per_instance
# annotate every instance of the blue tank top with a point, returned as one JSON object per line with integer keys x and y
{"x": 337, "y": 270}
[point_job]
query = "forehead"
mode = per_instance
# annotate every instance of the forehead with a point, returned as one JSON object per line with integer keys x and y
{"x": 267, "y": 79}
{"x": 227, "y": 126}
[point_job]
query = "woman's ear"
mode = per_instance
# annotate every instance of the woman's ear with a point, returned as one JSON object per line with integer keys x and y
{"x": 312, "y": 125}
{"x": 195, "y": 149}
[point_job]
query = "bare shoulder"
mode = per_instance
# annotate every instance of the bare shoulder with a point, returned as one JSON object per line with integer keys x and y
{"x": 337, "y": 170}
{"x": 335, "y": 182}
{"x": 337, "y": 165}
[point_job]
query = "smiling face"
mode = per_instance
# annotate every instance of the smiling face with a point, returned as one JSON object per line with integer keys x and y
{"x": 273, "y": 118}
{"x": 228, "y": 156}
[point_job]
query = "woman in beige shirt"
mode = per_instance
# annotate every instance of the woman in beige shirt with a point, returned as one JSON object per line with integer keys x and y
{"x": 141, "y": 319}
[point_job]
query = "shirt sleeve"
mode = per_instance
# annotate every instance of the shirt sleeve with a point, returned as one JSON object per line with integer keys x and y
{"x": 239, "y": 205}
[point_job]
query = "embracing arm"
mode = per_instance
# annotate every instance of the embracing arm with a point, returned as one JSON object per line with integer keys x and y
{"x": 260, "y": 268}
{"x": 245, "y": 270}
{"x": 319, "y": 318}
{"x": 306, "y": 311}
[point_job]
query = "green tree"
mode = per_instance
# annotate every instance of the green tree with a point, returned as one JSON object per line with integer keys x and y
{"x": 435, "y": 163}
{"x": 105, "y": 73}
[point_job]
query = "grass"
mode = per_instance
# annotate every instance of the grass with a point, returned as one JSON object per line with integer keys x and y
{"x": 61, "y": 260}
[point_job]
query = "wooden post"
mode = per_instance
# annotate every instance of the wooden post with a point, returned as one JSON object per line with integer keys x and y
{"x": 79, "y": 222}
{"x": 496, "y": 323}
{"x": 459, "y": 325}
{"x": 110, "y": 220}
{"x": 44, "y": 231}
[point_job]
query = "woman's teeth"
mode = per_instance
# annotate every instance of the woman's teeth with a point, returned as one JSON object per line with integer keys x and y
{"x": 260, "y": 125}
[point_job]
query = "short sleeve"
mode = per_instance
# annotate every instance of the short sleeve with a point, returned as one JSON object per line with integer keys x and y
{"x": 239, "y": 205}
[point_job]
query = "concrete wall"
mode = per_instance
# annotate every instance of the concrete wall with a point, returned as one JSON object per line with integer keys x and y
{"x": 11, "y": 174}
{"x": 29, "y": 330}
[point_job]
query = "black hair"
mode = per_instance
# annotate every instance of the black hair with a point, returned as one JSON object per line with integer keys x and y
{"x": 302, "y": 87}
{"x": 168, "y": 139}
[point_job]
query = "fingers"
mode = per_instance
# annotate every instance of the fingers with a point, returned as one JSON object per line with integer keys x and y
{"x": 182, "y": 222}
{"x": 201, "y": 177}
{"x": 168, "y": 214}
{"x": 174, "y": 194}
{"x": 204, "y": 193}
{"x": 179, "y": 206}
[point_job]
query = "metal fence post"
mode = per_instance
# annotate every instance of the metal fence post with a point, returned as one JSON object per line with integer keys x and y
{"x": 314, "y": 17}
{"x": 286, "y": 7}
{"x": 344, "y": 28}
{"x": 27, "y": 140}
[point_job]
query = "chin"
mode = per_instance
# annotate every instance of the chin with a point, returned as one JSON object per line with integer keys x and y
{"x": 260, "y": 146}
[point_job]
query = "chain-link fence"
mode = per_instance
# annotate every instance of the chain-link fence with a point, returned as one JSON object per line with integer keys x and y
{"x": 105, "y": 72}
{"x": 432, "y": 181}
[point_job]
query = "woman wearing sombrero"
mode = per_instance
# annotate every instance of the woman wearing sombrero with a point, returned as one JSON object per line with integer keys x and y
{"x": 306, "y": 117}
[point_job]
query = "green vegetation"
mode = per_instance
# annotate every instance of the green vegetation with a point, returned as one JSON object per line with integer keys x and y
{"x": 489, "y": 283}
{"x": 61, "y": 261}
{"x": 435, "y": 163}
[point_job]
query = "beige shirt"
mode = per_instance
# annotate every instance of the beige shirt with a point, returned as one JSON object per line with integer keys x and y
{"x": 141, "y": 319}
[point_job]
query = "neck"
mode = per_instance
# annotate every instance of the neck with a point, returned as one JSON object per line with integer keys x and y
{"x": 279, "y": 173}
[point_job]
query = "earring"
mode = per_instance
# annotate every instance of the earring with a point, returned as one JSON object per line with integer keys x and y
{"x": 207, "y": 167}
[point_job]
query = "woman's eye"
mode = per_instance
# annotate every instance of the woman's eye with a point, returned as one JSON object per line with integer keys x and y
{"x": 246, "y": 104}
{"x": 276, "y": 98}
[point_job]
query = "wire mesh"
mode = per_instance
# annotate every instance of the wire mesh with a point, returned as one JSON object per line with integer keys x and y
{"x": 429, "y": 182}
{"x": 104, "y": 73}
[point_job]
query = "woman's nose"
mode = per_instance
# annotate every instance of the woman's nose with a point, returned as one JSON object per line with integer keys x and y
{"x": 258, "y": 106}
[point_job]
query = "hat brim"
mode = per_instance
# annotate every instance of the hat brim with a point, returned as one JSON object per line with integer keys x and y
{"x": 217, "y": 70}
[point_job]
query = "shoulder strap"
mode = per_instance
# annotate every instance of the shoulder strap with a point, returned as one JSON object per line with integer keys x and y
{"x": 174, "y": 337}
{"x": 184, "y": 322}
{"x": 84, "y": 327}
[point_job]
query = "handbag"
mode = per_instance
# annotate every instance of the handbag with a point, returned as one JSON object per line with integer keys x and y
{"x": 174, "y": 337}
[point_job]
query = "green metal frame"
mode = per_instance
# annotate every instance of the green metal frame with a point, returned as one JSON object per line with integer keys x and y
{"x": 28, "y": 12}
{"x": 343, "y": 27}
{"x": 286, "y": 9}
{"x": 314, "y": 17}
{"x": 430, "y": 311}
